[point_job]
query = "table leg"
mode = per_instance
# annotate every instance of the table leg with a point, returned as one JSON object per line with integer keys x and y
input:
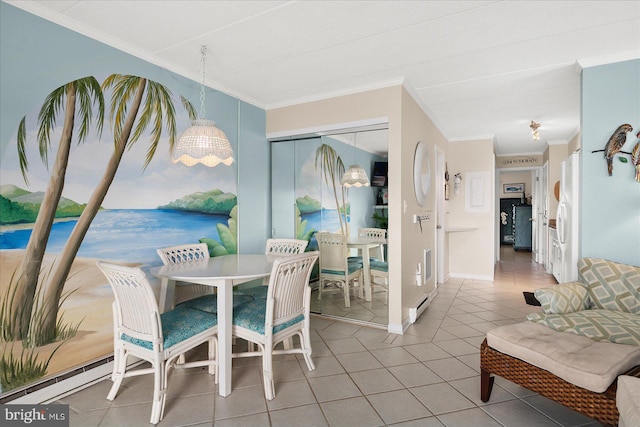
{"x": 167, "y": 293}
{"x": 366, "y": 271}
{"x": 225, "y": 316}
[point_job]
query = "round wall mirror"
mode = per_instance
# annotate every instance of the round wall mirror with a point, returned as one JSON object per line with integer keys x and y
{"x": 421, "y": 173}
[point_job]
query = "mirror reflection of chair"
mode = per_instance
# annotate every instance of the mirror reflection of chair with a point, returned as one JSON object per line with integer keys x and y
{"x": 335, "y": 268}
{"x": 279, "y": 317}
{"x": 375, "y": 235}
{"x": 380, "y": 270}
{"x": 140, "y": 330}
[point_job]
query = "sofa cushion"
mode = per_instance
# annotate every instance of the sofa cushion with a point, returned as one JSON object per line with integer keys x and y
{"x": 563, "y": 298}
{"x": 589, "y": 364}
{"x": 600, "y": 325}
{"x": 628, "y": 401}
{"x": 612, "y": 286}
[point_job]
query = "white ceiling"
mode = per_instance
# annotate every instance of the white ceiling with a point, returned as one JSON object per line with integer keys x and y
{"x": 478, "y": 68}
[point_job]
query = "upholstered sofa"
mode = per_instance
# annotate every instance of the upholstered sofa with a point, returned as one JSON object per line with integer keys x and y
{"x": 587, "y": 335}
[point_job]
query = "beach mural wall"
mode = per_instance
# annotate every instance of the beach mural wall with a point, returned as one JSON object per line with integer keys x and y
{"x": 75, "y": 191}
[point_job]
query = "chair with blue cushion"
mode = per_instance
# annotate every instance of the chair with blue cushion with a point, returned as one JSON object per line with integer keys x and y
{"x": 186, "y": 253}
{"x": 279, "y": 317}
{"x": 276, "y": 247}
{"x": 374, "y": 235}
{"x": 199, "y": 297}
{"x": 140, "y": 330}
{"x": 335, "y": 268}
{"x": 380, "y": 269}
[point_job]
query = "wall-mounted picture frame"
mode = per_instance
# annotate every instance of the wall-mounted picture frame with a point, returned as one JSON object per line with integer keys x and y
{"x": 513, "y": 188}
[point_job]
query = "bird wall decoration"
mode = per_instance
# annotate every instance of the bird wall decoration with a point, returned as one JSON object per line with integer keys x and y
{"x": 615, "y": 144}
{"x": 635, "y": 159}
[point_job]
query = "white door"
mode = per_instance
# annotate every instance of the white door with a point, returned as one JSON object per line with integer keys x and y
{"x": 440, "y": 220}
{"x": 535, "y": 225}
{"x": 543, "y": 202}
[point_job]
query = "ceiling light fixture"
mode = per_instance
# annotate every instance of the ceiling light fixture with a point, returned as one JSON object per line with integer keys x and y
{"x": 356, "y": 176}
{"x": 534, "y": 130}
{"x": 203, "y": 142}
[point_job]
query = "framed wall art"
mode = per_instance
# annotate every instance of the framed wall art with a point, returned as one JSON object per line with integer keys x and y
{"x": 513, "y": 188}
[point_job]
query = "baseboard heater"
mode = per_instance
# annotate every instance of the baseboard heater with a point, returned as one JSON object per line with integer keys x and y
{"x": 421, "y": 305}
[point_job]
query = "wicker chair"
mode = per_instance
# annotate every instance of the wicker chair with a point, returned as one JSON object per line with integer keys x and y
{"x": 140, "y": 330}
{"x": 276, "y": 247}
{"x": 335, "y": 268}
{"x": 285, "y": 246}
{"x": 375, "y": 235}
{"x": 186, "y": 253}
{"x": 282, "y": 315}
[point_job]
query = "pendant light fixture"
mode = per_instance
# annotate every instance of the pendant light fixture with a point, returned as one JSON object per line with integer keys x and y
{"x": 203, "y": 142}
{"x": 355, "y": 176}
{"x": 534, "y": 131}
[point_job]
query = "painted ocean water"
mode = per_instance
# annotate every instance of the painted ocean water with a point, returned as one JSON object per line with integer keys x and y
{"x": 127, "y": 235}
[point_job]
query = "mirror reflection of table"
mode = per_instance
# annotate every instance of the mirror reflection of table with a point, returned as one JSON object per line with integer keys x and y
{"x": 223, "y": 272}
{"x": 363, "y": 244}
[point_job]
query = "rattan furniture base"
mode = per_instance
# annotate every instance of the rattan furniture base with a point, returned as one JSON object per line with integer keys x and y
{"x": 599, "y": 406}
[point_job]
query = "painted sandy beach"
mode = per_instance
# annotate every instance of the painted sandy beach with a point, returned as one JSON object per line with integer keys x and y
{"x": 90, "y": 303}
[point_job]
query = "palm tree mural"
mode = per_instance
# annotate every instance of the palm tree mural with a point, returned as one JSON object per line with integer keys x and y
{"x": 333, "y": 168}
{"x": 86, "y": 92}
{"x": 131, "y": 95}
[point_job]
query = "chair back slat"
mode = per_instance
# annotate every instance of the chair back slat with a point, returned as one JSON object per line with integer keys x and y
{"x": 285, "y": 246}
{"x": 374, "y": 234}
{"x": 183, "y": 253}
{"x": 135, "y": 303}
{"x": 333, "y": 251}
{"x": 289, "y": 293}
{"x": 186, "y": 253}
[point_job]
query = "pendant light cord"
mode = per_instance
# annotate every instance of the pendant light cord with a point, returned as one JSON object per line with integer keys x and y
{"x": 203, "y": 51}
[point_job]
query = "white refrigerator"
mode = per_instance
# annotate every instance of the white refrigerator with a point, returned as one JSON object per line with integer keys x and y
{"x": 568, "y": 219}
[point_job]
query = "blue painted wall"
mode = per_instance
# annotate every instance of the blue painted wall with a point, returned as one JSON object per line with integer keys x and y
{"x": 610, "y": 206}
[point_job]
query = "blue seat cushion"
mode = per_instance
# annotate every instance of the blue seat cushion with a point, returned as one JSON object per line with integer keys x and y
{"x": 380, "y": 266}
{"x": 359, "y": 259}
{"x": 209, "y": 303}
{"x": 178, "y": 325}
{"x": 352, "y": 267}
{"x": 255, "y": 292}
{"x": 252, "y": 316}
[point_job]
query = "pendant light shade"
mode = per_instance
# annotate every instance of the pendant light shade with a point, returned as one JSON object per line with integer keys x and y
{"x": 203, "y": 142}
{"x": 355, "y": 176}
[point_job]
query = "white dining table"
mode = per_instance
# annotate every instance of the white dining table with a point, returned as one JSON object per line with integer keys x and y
{"x": 363, "y": 244}
{"x": 222, "y": 272}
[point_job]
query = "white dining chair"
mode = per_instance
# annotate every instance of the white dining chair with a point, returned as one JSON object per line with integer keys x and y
{"x": 284, "y": 314}
{"x": 276, "y": 247}
{"x": 380, "y": 270}
{"x": 285, "y": 246}
{"x": 335, "y": 268}
{"x": 140, "y": 330}
{"x": 375, "y": 235}
{"x": 186, "y": 253}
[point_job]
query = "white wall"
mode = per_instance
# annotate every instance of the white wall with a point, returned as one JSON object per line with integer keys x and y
{"x": 471, "y": 253}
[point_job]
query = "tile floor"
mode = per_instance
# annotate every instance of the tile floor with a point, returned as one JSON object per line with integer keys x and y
{"x": 364, "y": 376}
